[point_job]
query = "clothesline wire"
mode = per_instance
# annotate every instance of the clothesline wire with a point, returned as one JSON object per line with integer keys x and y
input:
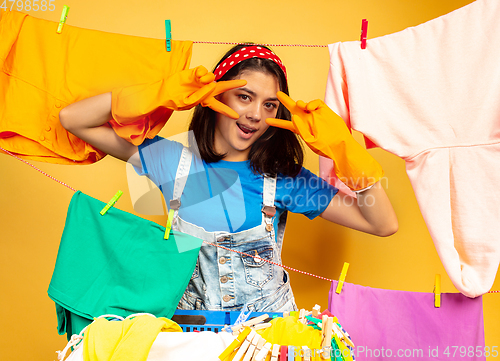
{"x": 209, "y": 243}
{"x": 266, "y": 260}
{"x": 38, "y": 169}
{"x": 235, "y": 43}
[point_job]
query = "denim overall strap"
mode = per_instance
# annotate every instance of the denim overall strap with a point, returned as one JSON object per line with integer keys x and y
{"x": 268, "y": 209}
{"x": 180, "y": 179}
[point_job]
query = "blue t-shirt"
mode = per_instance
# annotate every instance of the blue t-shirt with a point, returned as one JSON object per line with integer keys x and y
{"x": 227, "y": 196}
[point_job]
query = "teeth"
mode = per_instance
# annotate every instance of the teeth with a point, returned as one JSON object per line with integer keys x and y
{"x": 245, "y": 129}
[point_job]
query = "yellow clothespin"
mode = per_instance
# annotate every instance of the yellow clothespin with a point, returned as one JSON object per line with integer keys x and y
{"x": 168, "y": 228}
{"x": 62, "y": 20}
{"x": 168, "y": 36}
{"x": 342, "y": 277}
{"x": 437, "y": 291}
{"x": 111, "y": 203}
{"x": 235, "y": 344}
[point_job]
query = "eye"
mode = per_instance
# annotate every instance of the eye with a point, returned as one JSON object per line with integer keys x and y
{"x": 244, "y": 97}
{"x": 271, "y": 106}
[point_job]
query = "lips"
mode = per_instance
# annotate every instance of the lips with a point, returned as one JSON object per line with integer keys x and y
{"x": 246, "y": 129}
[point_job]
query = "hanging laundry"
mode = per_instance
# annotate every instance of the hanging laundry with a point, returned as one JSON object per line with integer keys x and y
{"x": 429, "y": 94}
{"x": 386, "y": 324}
{"x": 116, "y": 264}
{"x": 42, "y": 72}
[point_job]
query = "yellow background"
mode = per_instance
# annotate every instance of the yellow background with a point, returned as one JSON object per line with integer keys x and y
{"x": 33, "y": 207}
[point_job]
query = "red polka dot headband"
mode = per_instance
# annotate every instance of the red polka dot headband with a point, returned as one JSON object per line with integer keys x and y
{"x": 247, "y": 52}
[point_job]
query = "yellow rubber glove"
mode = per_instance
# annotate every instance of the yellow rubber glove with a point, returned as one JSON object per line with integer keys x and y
{"x": 327, "y": 135}
{"x": 181, "y": 91}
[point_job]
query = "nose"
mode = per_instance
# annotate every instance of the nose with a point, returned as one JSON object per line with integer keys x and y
{"x": 254, "y": 112}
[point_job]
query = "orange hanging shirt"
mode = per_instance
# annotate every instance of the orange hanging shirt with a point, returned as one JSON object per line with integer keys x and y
{"x": 42, "y": 72}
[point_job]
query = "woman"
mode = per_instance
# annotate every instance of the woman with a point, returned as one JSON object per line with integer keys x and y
{"x": 235, "y": 190}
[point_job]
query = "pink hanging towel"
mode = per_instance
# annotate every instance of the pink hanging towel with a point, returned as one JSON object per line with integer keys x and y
{"x": 431, "y": 95}
{"x": 387, "y": 324}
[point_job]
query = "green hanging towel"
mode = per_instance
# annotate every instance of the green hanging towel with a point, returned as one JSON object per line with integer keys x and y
{"x": 117, "y": 264}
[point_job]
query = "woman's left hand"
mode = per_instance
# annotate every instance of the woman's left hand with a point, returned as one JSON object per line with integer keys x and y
{"x": 327, "y": 135}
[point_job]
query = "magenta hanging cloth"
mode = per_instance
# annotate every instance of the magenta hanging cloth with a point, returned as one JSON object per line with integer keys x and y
{"x": 387, "y": 324}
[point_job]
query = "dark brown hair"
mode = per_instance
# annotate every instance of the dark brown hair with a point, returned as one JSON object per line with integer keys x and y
{"x": 277, "y": 151}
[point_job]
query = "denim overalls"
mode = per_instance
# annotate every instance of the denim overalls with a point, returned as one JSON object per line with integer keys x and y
{"x": 225, "y": 280}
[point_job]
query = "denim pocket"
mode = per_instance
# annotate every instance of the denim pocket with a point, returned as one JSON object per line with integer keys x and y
{"x": 258, "y": 272}
{"x": 190, "y": 302}
{"x": 279, "y": 301}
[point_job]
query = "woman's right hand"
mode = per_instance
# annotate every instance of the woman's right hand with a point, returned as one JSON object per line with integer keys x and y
{"x": 181, "y": 91}
{"x": 88, "y": 118}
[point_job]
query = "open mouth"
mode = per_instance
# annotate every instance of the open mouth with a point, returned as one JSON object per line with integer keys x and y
{"x": 245, "y": 129}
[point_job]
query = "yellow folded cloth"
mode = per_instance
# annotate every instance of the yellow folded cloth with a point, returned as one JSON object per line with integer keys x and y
{"x": 130, "y": 339}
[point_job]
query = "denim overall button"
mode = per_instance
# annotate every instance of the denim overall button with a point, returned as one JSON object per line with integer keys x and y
{"x": 226, "y": 298}
{"x": 223, "y": 279}
{"x": 222, "y": 260}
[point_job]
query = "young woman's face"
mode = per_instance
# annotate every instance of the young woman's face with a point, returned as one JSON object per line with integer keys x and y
{"x": 254, "y": 102}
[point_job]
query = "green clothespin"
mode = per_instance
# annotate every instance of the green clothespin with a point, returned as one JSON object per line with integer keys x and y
{"x": 169, "y": 224}
{"x": 168, "y": 31}
{"x": 111, "y": 203}
{"x": 314, "y": 320}
{"x": 62, "y": 20}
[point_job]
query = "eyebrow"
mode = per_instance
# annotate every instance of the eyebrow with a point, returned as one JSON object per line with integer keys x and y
{"x": 251, "y": 92}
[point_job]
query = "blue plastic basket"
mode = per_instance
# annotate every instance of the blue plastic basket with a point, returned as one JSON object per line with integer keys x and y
{"x": 212, "y": 320}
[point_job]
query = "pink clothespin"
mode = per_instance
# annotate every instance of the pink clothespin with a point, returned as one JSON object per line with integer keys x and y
{"x": 364, "y": 30}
